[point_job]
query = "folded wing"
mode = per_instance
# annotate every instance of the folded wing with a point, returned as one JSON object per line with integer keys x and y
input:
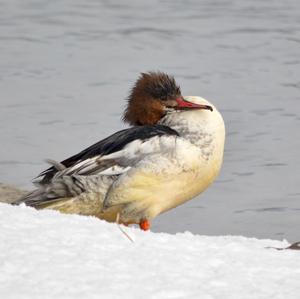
{"x": 94, "y": 169}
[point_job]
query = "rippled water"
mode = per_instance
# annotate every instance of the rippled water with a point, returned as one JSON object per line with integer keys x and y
{"x": 67, "y": 66}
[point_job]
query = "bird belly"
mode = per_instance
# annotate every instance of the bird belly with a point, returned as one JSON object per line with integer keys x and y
{"x": 147, "y": 194}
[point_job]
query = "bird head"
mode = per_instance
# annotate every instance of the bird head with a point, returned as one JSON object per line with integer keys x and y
{"x": 154, "y": 95}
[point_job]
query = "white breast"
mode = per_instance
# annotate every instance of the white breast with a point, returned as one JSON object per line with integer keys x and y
{"x": 203, "y": 128}
{"x": 170, "y": 177}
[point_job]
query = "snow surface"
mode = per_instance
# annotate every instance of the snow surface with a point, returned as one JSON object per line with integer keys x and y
{"x": 44, "y": 254}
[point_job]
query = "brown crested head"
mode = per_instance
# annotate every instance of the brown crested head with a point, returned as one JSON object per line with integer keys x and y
{"x": 150, "y": 97}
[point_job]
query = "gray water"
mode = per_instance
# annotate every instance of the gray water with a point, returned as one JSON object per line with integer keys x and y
{"x": 67, "y": 66}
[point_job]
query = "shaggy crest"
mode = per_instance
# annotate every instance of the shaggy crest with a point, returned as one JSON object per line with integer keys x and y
{"x": 148, "y": 98}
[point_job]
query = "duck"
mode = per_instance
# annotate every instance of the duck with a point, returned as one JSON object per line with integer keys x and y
{"x": 171, "y": 152}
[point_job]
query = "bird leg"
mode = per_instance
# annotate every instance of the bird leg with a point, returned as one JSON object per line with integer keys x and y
{"x": 145, "y": 224}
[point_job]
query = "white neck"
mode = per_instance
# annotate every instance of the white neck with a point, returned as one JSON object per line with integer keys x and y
{"x": 203, "y": 128}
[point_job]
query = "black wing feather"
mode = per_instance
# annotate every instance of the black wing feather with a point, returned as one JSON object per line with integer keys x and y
{"x": 109, "y": 145}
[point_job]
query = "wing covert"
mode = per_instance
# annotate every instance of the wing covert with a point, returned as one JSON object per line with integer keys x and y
{"x": 107, "y": 153}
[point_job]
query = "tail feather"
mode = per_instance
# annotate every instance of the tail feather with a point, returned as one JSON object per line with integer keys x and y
{"x": 32, "y": 198}
{"x": 74, "y": 194}
{"x": 42, "y": 178}
{"x": 57, "y": 190}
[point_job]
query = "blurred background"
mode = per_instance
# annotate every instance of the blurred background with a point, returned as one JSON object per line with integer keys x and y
{"x": 67, "y": 67}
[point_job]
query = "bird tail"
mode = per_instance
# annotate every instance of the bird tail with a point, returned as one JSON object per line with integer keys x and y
{"x": 38, "y": 199}
{"x": 41, "y": 197}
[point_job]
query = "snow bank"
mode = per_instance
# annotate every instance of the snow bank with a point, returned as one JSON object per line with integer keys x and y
{"x": 50, "y": 255}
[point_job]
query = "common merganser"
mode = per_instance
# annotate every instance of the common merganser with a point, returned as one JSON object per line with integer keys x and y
{"x": 172, "y": 152}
